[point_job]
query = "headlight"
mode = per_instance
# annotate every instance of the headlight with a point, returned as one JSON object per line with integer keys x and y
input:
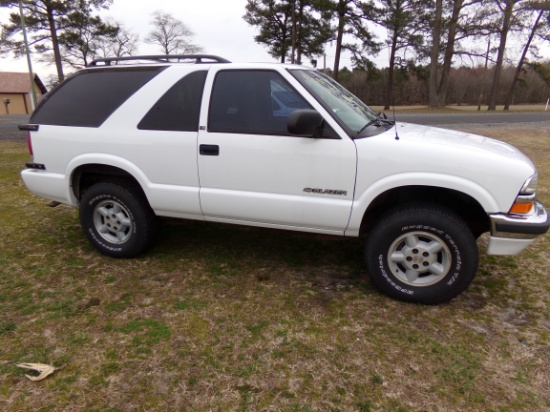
{"x": 526, "y": 199}
{"x": 530, "y": 186}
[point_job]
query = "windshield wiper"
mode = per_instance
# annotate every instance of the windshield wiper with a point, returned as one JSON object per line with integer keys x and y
{"x": 373, "y": 121}
{"x": 379, "y": 119}
{"x": 384, "y": 119}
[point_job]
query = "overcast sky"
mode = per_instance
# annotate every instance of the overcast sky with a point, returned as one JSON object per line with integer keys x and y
{"x": 219, "y": 28}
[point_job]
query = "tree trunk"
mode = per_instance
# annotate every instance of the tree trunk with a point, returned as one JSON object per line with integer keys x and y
{"x": 284, "y": 48}
{"x": 339, "y": 37}
{"x": 293, "y": 32}
{"x": 438, "y": 89}
{"x": 434, "y": 58}
{"x": 500, "y": 57}
{"x": 449, "y": 54}
{"x": 508, "y": 100}
{"x": 389, "y": 86}
{"x": 299, "y": 34}
{"x": 55, "y": 43}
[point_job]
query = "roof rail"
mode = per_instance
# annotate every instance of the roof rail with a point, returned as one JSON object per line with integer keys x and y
{"x": 198, "y": 58}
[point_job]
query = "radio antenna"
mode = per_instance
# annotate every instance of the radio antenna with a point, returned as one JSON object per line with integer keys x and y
{"x": 398, "y": 62}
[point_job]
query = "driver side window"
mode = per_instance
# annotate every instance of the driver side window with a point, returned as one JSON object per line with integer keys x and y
{"x": 252, "y": 102}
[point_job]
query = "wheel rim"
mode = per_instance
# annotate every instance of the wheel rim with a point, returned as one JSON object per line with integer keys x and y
{"x": 113, "y": 222}
{"x": 419, "y": 258}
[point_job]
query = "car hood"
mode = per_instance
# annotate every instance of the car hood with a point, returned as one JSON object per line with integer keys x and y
{"x": 452, "y": 139}
{"x": 430, "y": 156}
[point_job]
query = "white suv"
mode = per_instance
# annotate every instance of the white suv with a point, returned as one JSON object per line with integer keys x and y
{"x": 278, "y": 146}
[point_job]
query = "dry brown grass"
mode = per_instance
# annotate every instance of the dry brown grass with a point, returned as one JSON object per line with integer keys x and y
{"x": 224, "y": 318}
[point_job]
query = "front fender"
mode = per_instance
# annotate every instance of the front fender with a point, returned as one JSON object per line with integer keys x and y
{"x": 441, "y": 181}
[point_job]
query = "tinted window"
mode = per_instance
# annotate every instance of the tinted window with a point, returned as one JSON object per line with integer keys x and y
{"x": 91, "y": 96}
{"x": 179, "y": 108}
{"x": 246, "y": 101}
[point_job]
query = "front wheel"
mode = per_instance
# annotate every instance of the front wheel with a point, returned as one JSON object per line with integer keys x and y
{"x": 422, "y": 253}
{"x": 117, "y": 219}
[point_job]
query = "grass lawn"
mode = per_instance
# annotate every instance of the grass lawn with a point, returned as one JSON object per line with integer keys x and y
{"x": 226, "y": 318}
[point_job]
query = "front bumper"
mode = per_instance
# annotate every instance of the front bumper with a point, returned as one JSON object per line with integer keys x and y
{"x": 510, "y": 234}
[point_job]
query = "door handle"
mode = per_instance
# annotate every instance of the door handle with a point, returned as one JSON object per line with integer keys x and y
{"x": 209, "y": 150}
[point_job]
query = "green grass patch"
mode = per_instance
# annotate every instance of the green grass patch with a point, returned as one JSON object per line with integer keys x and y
{"x": 221, "y": 317}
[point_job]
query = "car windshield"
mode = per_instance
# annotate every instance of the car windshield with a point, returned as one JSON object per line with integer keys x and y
{"x": 350, "y": 112}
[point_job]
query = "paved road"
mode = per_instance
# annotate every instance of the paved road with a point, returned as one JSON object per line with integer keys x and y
{"x": 8, "y": 124}
{"x": 8, "y": 127}
{"x": 472, "y": 118}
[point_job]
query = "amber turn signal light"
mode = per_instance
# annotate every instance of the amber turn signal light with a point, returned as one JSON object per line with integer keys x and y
{"x": 521, "y": 208}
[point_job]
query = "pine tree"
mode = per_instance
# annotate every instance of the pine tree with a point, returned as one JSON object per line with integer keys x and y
{"x": 51, "y": 26}
{"x": 289, "y": 28}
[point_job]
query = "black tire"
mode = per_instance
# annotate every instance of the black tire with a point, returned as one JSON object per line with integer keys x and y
{"x": 117, "y": 219}
{"x": 421, "y": 253}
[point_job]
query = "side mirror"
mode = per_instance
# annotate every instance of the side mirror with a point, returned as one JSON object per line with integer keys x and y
{"x": 305, "y": 123}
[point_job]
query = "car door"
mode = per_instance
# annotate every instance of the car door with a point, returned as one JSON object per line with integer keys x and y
{"x": 251, "y": 170}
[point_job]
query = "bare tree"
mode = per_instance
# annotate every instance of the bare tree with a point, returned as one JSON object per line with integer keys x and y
{"x": 453, "y": 22}
{"x": 506, "y": 8}
{"x": 171, "y": 34}
{"x": 536, "y": 26}
{"x": 438, "y": 87}
{"x": 124, "y": 44}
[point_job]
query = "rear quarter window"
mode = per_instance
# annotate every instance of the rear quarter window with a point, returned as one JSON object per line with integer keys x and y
{"x": 89, "y": 97}
{"x": 179, "y": 108}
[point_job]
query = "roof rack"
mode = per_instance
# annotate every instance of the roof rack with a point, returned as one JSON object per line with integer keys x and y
{"x": 198, "y": 58}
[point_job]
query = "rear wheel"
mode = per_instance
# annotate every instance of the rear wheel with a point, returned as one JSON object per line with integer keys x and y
{"x": 422, "y": 253}
{"x": 117, "y": 219}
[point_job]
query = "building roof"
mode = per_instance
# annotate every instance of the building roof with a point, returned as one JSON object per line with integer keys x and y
{"x": 11, "y": 82}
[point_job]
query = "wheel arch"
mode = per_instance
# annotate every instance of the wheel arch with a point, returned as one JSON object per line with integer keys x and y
{"x": 463, "y": 205}
{"x": 86, "y": 175}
